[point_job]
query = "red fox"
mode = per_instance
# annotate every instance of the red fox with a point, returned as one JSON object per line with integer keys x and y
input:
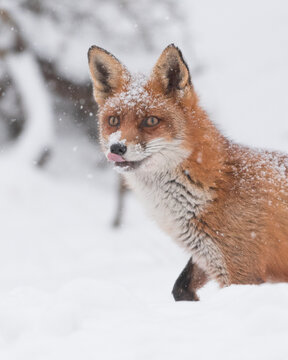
{"x": 225, "y": 203}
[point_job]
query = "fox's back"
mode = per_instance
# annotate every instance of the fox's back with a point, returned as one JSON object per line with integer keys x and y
{"x": 251, "y": 214}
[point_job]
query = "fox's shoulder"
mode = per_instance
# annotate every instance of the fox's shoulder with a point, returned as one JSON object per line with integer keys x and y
{"x": 259, "y": 166}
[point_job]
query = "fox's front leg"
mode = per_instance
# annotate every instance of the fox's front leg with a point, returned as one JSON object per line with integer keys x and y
{"x": 189, "y": 281}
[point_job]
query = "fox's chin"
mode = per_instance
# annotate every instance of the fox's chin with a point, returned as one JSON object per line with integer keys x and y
{"x": 125, "y": 166}
{"x": 153, "y": 162}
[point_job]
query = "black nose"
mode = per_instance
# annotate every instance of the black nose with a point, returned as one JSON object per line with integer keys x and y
{"x": 118, "y": 148}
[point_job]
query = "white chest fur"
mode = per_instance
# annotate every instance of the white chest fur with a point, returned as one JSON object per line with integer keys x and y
{"x": 174, "y": 204}
{"x": 168, "y": 201}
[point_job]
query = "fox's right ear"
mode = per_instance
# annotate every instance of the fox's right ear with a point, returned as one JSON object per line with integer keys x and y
{"x": 108, "y": 74}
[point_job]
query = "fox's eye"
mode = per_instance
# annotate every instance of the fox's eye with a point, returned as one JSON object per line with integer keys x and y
{"x": 150, "y": 121}
{"x": 113, "y": 120}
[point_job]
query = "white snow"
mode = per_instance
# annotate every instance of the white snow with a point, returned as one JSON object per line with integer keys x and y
{"x": 136, "y": 91}
{"x": 71, "y": 287}
{"x": 134, "y": 94}
{"x": 115, "y": 137}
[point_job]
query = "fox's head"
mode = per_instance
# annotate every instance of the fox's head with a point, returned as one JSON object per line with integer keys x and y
{"x": 142, "y": 120}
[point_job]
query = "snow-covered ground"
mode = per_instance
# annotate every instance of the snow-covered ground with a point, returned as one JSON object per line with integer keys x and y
{"x": 71, "y": 287}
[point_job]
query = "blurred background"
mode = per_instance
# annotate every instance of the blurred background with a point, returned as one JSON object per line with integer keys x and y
{"x": 237, "y": 59}
{"x": 69, "y": 282}
{"x": 43, "y": 49}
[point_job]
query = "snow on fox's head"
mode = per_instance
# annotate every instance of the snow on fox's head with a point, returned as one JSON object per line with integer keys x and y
{"x": 142, "y": 119}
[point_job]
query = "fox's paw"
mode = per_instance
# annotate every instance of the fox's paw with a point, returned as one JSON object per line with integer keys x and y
{"x": 181, "y": 291}
{"x": 184, "y": 295}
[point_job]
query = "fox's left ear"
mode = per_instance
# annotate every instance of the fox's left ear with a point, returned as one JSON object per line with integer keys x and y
{"x": 108, "y": 74}
{"x": 171, "y": 73}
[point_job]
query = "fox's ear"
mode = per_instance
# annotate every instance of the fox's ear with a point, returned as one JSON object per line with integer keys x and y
{"x": 108, "y": 74}
{"x": 171, "y": 72}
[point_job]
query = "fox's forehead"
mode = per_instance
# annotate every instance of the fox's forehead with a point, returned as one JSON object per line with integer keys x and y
{"x": 136, "y": 96}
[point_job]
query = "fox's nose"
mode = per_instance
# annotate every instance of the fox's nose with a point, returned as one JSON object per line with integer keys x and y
{"x": 118, "y": 148}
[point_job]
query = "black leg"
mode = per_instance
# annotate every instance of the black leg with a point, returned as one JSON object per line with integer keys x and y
{"x": 43, "y": 157}
{"x": 190, "y": 279}
{"x": 120, "y": 202}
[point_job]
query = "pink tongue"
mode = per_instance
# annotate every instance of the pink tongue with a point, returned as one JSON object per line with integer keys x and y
{"x": 115, "y": 157}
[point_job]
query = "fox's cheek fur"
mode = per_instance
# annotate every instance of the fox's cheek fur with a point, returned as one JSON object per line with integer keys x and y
{"x": 158, "y": 153}
{"x": 164, "y": 154}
